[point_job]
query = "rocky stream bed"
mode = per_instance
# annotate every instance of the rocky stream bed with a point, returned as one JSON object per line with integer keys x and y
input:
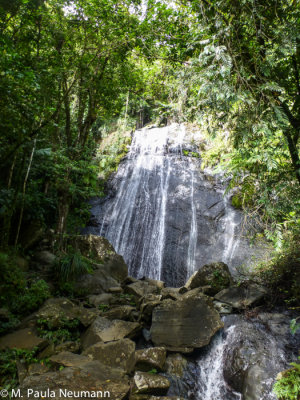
{"x": 210, "y": 339}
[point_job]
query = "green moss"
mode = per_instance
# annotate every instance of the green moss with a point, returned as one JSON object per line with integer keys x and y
{"x": 288, "y": 386}
{"x": 236, "y": 201}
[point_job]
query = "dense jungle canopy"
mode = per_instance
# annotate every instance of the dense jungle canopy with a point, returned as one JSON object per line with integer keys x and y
{"x": 69, "y": 69}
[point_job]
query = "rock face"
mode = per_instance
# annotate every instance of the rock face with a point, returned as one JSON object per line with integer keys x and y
{"x": 157, "y": 195}
{"x": 22, "y": 339}
{"x": 104, "y": 330}
{"x": 241, "y": 297}
{"x": 215, "y": 275}
{"x": 117, "y": 354}
{"x": 144, "y": 382}
{"x": 186, "y": 323}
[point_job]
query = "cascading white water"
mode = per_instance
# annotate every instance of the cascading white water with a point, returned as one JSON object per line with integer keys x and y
{"x": 211, "y": 383}
{"x": 231, "y": 225}
{"x": 193, "y": 231}
{"x": 162, "y": 214}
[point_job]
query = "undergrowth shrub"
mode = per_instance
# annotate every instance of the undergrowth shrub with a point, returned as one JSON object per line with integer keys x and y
{"x": 287, "y": 387}
{"x": 282, "y": 275}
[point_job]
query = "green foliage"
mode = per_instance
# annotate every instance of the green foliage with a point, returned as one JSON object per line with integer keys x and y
{"x": 8, "y": 366}
{"x": 288, "y": 386}
{"x": 153, "y": 371}
{"x": 294, "y": 326}
{"x": 67, "y": 330}
{"x": 18, "y": 294}
{"x": 69, "y": 266}
{"x": 282, "y": 275}
{"x": 31, "y": 298}
{"x": 103, "y": 307}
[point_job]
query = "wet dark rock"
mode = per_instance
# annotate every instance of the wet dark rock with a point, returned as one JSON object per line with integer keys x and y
{"x": 241, "y": 297}
{"x": 186, "y": 323}
{"x": 216, "y": 275}
{"x": 153, "y": 357}
{"x": 252, "y": 359}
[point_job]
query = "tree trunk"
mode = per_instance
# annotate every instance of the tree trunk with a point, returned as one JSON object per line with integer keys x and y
{"x": 293, "y": 153}
{"x": 24, "y": 191}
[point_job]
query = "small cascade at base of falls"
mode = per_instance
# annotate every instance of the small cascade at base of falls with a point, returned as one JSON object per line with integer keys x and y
{"x": 242, "y": 360}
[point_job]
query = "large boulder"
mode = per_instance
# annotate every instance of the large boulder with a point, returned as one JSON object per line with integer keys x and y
{"x": 185, "y": 324}
{"x": 243, "y": 296}
{"x": 153, "y": 357}
{"x": 97, "y": 299}
{"x": 117, "y": 354}
{"x": 99, "y": 249}
{"x": 25, "y": 339}
{"x": 105, "y": 330}
{"x": 144, "y": 382}
{"x": 94, "y": 378}
{"x": 126, "y": 313}
{"x": 57, "y": 310}
{"x": 99, "y": 282}
{"x": 68, "y": 359}
{"x": 215, "y": 275}
{"x": 251, "y": 360}
{"x": 141, "y": 289}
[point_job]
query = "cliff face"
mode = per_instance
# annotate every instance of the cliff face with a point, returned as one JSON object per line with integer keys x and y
{"x": 165, "y": 215}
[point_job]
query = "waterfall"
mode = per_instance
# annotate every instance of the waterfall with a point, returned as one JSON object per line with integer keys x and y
{"x": 193, "y": 230}
{"x": 163, "y": 214}
{"x": 245, "y": 347}
{"x": 231, "y": 225}
{"x": 211, "y": 384}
